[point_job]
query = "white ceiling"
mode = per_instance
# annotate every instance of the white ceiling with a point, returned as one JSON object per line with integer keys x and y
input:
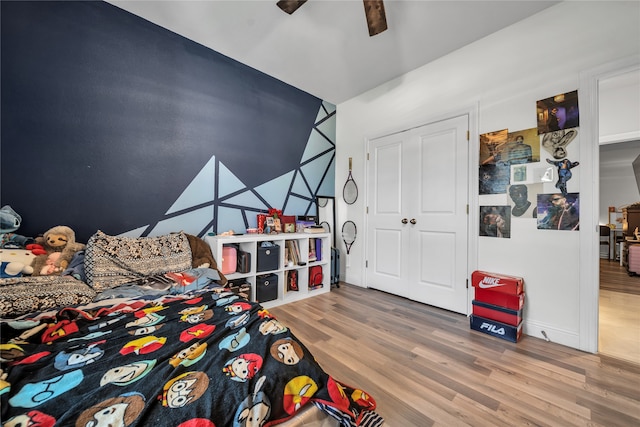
{"x": 324, "y": 47}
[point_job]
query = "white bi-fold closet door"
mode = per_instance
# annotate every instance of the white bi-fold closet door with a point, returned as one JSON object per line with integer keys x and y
{"x": 417, "y": 217}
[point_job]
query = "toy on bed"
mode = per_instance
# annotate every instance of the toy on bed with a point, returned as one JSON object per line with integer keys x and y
{"x": 60, "y": 245}
{"x": 202, "y": 257}
{"x": 15, "y": 262}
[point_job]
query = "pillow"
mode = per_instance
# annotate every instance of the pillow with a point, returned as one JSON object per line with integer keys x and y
{"x": 24, "y": 295}
{"x": 111, "y": 261}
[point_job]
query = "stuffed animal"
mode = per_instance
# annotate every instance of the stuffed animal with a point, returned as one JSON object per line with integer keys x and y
{"x": 50, "y": 264}
{"x": 202, "y": 257}
{"x": 16, "y": 262}
{"x": 60, "y": 239}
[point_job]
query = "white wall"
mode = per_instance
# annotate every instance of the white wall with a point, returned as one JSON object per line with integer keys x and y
{"x": 619, "y": 104}
{"x": 618, "y": 185}
{"x": 503, "y": 75}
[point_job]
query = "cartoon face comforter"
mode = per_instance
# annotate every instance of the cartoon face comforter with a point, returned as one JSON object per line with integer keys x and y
{"x": 208, "y": 358}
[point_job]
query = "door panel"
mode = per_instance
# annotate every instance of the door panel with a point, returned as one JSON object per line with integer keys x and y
{"x": 386, "y": 235}
{"x": 436, "y": 252}
{"x": 423, "y": 175}
{"x": 387, "y": 259}
{"x": 437, "y": 158}
{"x": 387, "y": 179}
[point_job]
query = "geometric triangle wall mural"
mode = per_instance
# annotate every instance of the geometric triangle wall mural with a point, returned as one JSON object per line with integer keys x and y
{"x": 217, "y": 201}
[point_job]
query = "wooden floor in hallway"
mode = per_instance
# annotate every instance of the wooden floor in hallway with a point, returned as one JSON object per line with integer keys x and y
{"x": 619, "y": 319}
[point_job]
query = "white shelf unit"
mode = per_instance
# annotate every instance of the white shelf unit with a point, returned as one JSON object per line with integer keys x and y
{"x": 250, "y": 242}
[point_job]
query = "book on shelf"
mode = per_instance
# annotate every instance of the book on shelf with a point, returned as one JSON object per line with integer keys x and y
{"x": 293, "y": 251}
{"x": 301, "y": 225}
{"x": 312, "y": 250}
{"x": 314, "y": 229}
{"x": 318, "y": 249}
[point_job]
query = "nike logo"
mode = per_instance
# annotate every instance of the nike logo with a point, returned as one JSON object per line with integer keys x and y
{"x": 486, "y": 285}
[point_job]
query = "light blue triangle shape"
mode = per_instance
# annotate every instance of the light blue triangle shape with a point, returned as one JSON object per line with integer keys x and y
{"x": 230, "y": 219}
{"x": 299, "y": 186}
{"x": 275, "y": 191}
{"x": 199, "y": 191}
{"x": 329, "y": 106}
{"x": 321, "y": 115}
{"x": 328, "y": 128}
{"x": 321, "y": 111}
{"x": 328, "y": 185}
{"x": 136, "y": 232}
{"x": 315, "y": 145}
{"x": 297, "y": 206}
{"x": 228, "y": 182}
{"x": 247, "y": 199}
{"x": 314, "y": 171}
{"x": 191, "y": 222}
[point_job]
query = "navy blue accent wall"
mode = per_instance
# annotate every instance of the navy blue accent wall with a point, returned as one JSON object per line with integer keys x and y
{"x": 107, "y": 118}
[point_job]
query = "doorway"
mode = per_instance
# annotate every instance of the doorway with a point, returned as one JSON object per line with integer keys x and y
{"x": 619, "y": 293}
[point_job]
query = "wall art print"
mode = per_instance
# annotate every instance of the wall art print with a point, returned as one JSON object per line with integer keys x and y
{"x": 523, "y": 200}
{"x": 523, "y": 146}
{"x": 555, "y": 143}
{"x": 559, "y": 212}
{"x": 491, "y": 146}
{"x": 558, "y": 112}
{"x": 495, "y": 221}
{"x": 494, "y": 178}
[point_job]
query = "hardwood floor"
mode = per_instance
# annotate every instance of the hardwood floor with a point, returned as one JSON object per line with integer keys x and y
{"x": 619, "y": 320}
{"x": 425, "y": 367}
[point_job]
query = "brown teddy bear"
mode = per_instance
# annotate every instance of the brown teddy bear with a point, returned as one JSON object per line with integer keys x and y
{"x": 202, "y": 257}
{"x": 60, "y": 245}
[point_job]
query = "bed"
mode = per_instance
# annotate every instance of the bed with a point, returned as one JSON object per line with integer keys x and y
{"x": 134, "y": 344}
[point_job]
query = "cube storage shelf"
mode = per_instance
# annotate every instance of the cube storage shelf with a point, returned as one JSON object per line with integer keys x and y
{"x": 251, "y": 242}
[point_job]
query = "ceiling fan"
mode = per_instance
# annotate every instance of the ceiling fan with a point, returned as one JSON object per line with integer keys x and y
{"x": 373, "y": 10}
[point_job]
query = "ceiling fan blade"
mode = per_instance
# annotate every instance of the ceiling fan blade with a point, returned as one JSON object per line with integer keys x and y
{"x": 290, "y": 6}
{"x": 376, "y": 18}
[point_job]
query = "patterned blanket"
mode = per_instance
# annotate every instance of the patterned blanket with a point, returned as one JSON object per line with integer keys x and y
{"x": 206, "y": 358}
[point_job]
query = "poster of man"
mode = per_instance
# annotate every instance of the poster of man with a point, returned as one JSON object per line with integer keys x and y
{"x": 491, "y": 146}
{"x": 522, "y": 146}
{"x": 523, "y": 200}
{"x": 495, "y": 221}
{"x": 558, "y": 112}
{"x": 559, "y": 212}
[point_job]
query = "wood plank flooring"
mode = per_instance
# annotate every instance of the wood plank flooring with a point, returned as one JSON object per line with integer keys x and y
{"x": 614, "y": 277}
{"x": 619, "y": 319}
{"x": 425, "y": 367}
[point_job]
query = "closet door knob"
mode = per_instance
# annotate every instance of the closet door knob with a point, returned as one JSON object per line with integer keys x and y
{"x": 404, "y": 220}
{"x": 413, "y": 221}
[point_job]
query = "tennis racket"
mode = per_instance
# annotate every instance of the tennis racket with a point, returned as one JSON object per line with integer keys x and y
{"x": 350, "y": 189}
{"x": 326, "y": 226}
{"x": 348, "y": 236}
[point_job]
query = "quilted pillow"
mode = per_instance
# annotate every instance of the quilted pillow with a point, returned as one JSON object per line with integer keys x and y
{"x": 111, "y": 261}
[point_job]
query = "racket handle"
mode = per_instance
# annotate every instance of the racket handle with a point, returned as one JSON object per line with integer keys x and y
{"x": 350, "y": 163}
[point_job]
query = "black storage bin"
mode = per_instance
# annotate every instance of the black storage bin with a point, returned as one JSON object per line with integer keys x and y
{"x": 268, "y": 258}
{"x": 267, "y": 287}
